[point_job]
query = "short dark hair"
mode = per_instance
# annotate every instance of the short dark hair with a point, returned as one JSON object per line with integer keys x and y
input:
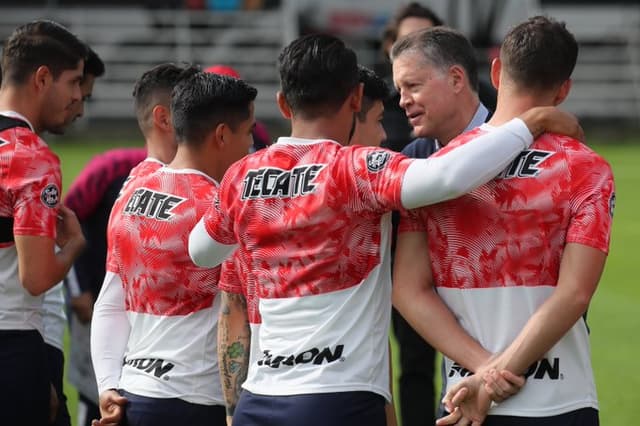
{"x": 411, "y": 10}
{"x": 202, "y": 101}
{"x": 441, "y": 47}
{"x": 93, "y": 64}
{"x": 375, "y": 89}
{"x": 154, "y": 87}
{"x": 539, "y": 53}
{"x": 40, "y": 43}
{"x": 317, "y": 74}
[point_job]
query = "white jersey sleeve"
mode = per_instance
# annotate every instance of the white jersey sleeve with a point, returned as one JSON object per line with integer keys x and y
{"x": 464, "y": 168}
{"x": 110, "y": 331}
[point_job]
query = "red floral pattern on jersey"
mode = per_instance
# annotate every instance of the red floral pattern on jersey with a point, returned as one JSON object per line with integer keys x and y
{"x": 312, "y": 226}
{"x": 149, "y": 233}
{"x": 142, "y": 170}
{"x": 31, "y": 183}
{"x": 512, "y": 231}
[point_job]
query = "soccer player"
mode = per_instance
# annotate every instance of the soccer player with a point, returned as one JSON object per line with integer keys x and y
{"x": 515, "y": 263}
{"x": 53, "y": 305}
{"x": 156, "y": 310}
{"x": 310, "y": 215}
{"x": 42, "y": 64}
{"x": 240, "y": 317}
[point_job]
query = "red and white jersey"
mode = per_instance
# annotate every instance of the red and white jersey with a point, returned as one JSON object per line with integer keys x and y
{"x": 170, "y": 302}
{"x": 311, "y": 220}
{"x": 30, "y": 186}
{"x": 496, "y": 252}
{"x": 141, "y": 170}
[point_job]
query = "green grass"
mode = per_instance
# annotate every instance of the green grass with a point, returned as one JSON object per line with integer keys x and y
{"x": 614, "y": 316}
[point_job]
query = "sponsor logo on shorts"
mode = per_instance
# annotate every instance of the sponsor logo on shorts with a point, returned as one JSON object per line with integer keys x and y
{"x": 156, "y": 366}
{"x": 377, "y": 160}
{"x": 50, "y": 195}
{"x": 271, "y": 182}
{"x": 313, "y": 356}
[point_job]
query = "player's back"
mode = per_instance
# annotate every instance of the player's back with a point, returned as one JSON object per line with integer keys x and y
{"x": 310, "y": 218}
{"x": 496, "y": 253}
{"x": 171, "y": 303}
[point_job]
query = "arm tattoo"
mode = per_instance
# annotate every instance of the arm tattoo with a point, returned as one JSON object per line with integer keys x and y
{"x": 234, "y": 339}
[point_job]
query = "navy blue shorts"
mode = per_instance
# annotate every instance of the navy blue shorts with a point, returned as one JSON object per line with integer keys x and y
{"x": 146, "y": 411}
{"x": 581, "y": 417}
{"x": 318, "y": 409}
{"x": 25, "y": 388}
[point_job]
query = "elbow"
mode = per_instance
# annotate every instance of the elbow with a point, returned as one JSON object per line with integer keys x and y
{"x": 34, "y": 285}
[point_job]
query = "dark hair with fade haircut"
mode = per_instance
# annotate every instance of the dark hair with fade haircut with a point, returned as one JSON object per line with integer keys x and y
{"x": 155, "y": 86}
{"x": 442, "y": 48}
{"x": 411, "y": 10}
{"x": 317, "y": 74}
{"x": 93, "y": 64}
{"x": 375, "y": 89}
{"x": 539, "y": 53}
{"x": 40, "y": 43}
{"x": 202, "y": 101}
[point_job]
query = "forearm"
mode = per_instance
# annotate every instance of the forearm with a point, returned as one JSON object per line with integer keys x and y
{"x": 580, "y": 272}
{"x": 234, "y": 340}
{"x": 425, "y": 311}
{"x": 110, "y": 331}
{"x": 435, "y": 179}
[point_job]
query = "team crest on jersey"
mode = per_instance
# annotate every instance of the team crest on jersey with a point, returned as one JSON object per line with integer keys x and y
{"x": 50, "y": 195}
{"x": 271, "y": 182}
{"x": 152, "y": 204}
{"x": 377, "y": 160}
{"x": 526, "y": 165}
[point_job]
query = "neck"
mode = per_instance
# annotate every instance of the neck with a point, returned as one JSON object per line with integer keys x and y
{"x": 16, "y": 99}
{"x": 513, "y": 102}
{"x": 466, "y": 107}
{"x": 198, "y": 158}
{"x": 336, "y": 127}
{"x": 159, "y": 146}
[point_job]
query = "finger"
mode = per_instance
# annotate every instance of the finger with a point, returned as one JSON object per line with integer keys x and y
{"x": 450, "y": 419}
{"x": 459, "y": 397}
{"x": 513, "y": 379}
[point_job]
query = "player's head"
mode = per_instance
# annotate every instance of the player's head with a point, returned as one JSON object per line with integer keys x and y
{"x": 318, "y": 74}
{"x": 93, "y": 68}
{"x": 369, "y": 129}
{"x": 538, "y": 55}
{"x": 152, "y": 100}
{"x": 214, "y": 110}
{"x": 45, "y": 60}
{"x": 432, "y": 70}
{"x": 409, "y": 18}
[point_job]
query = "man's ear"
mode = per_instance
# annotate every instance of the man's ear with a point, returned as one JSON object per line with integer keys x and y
{"x": 496, "y": 69}
{"x": 563, "y": 92}
{"x": 355, "y": 99}
{"x": 161, "y": 117}
{"x": 219, "y": 135}
{"x": 42, "y": 78}
{"x": 457, "y": 78}
{"x": 283, "y": 106}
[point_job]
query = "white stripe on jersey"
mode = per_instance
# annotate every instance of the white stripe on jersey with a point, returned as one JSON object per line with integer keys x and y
{"x": 562, "y": 381}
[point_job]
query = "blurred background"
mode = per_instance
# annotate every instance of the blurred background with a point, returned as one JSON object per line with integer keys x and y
{"x": 132, "y": 35}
